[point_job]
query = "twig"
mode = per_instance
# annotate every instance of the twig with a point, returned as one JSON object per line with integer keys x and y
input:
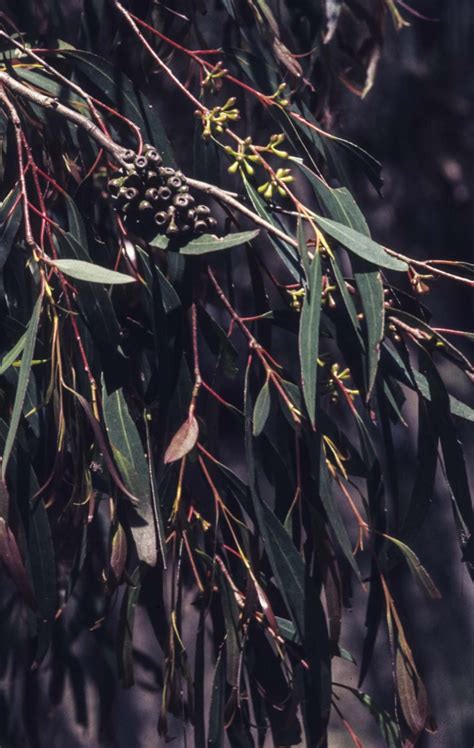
{"x": 48, "y": 102}
{"x": 226, "y": 197}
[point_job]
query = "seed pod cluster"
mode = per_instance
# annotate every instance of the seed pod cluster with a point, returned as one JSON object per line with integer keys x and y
{"x": 153, "y": 195}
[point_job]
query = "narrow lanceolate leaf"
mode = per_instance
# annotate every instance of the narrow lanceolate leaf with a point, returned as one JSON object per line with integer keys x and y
{"x": 183, "y": 441}
{"x": 369, "y": 284}
{"x": 333, "y": 513}
{"x": 309, "y": 337}
{"x": 12, "y": 355}
{"x": 125, "y": 630}
{"x": 11, "y": 559}
{"x": 205, "y": 244}
{"x": 129, "y": 456}
{"x": 412, "y": 694}
{"x": 215, "y": 738}
{"x": 361, "y": 245}
{"x": 88, "y": 271}
{"x": 261, "y": 410}
{"x": 416, "y": 568}
{"x": 23, "y": 380}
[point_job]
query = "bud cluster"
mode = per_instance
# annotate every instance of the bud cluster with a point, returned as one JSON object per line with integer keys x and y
{"x": 149, "y": 193}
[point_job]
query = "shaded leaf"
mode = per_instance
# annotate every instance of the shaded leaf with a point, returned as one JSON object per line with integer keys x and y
{"x": 13, "y": 563}
{"x": 23, "y": 379}
{"x": 129, "y": 456}
{"x": 262, "y": 409}
{"x": 215, "y": 738}
{"x": 309, "y": 337}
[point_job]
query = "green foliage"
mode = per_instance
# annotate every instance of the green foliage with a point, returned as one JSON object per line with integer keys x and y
{"x": 216, "y": 416}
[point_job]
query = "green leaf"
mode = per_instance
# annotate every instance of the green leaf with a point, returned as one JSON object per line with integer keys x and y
{"x": 361, "y": 245}
{"x": 110, "y": 82}
{"x": 125, "y": 630}
{"x": 262, "y": 409}
{"x": 129, "y": 456}
{"x": 416, "y": 568}
{"x": 215, "y": 738}
{"x": 12, "y": 355}
{"x": 333, "y": 514}
{"x": 369, "y": 283}
{"x": 309, "y": 337}
{"x": 453, "y": 453}
{"x": 207, "y": 243}
{"x": 23, "y": 379}
{"x": 88, "y": 271}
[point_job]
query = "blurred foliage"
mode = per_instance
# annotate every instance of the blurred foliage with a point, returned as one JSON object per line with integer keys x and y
{"x": 208, "y": 425}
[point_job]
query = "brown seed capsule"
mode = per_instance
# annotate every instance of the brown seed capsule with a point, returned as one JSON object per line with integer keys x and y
{"x": 166, "y": 171}
{"x": 141, "y": 162}
{"x": 152, "y": 176}
{"x": 174, "y": 183}
{"x": 200, "y": 226}
{"x": 183, "y": 201}
{"x": 145, "y": 207}
{"x": 153, "y": 155}
{"x": 152, "y": 194}
{"x": 132, "y": 180}
{"x": 202, "y": 210}
{"x": 161, "y": 218}
{"x": 191, "y": 214}
{"x": 211, "y": 222}
{"x": 114, "y": 185}
{"x": 172, "y": 226}
{"x": 185, "y": 228}
{"x": 130, "y": 193}
{"x": 128, "y": 155}
{"x": 164, "y": 193}
{"x": 183, "y": 190}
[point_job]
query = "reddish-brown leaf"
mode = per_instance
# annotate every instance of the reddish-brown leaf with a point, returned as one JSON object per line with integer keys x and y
{"x": 183, "y": 441}
{"x": 412, "y": 695}
{"x": 13, "y": 563}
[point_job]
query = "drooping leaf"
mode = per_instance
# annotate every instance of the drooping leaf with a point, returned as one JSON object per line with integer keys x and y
{"x": 215, "y": 737}
{"x": 12, "y": 355}
{"x": 11, "y": 559}
{"x": 361, "y": 245}
{"x": 125, "y": 629}
{"x": 88, "y": 271}
{"x": 262, "y": 409}
{"x": 309, "y": 337}
{"x": 183, "y": 441}
{"x": 23, "y": 378}
{"x": 129, "y": 455}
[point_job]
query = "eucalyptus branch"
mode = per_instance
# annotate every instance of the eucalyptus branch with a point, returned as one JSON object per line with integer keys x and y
{"x": 228, "y": 199}
{"x": 51, "y": 103}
